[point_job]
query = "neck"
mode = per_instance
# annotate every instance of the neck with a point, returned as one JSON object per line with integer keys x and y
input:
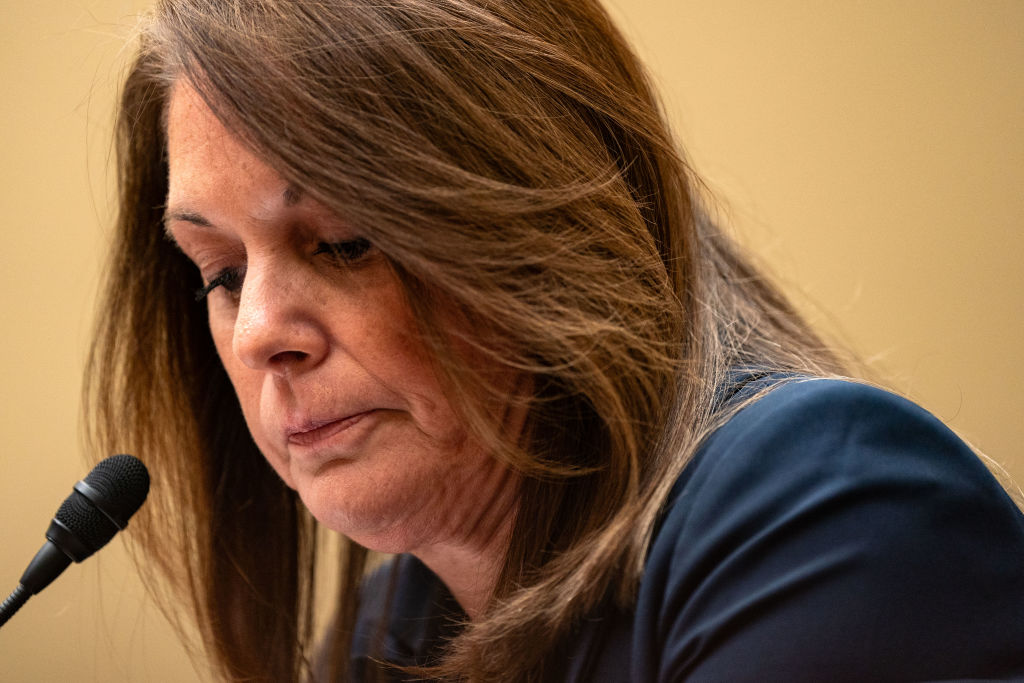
{"x": 470, "y": 560}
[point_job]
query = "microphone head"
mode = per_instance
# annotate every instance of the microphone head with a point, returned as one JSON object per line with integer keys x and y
{"x": 119, "y": 486}
{"x": 100, "y": 506}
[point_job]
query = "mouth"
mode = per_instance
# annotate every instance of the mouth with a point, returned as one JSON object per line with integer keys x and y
{"x": 313, "y": 433}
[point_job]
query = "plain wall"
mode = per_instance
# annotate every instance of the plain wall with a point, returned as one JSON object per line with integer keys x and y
{"x": 871, "y": 153}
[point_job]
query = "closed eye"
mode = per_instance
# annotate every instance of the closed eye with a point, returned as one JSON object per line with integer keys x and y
{"x": 346, "y": 252}
{"x": 229, "y": 278}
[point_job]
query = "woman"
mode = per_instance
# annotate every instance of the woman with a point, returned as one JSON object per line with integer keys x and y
{"x": 434, "y": 275}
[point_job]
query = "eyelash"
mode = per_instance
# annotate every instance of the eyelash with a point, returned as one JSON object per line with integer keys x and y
{"x": 229, "y": 278}
{"x": 344, "y": 253}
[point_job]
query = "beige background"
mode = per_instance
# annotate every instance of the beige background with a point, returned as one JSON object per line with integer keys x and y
{"x": 871, "y": 152}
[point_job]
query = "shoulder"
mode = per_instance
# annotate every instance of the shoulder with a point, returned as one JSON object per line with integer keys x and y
{"x": 832, "y": 435}
{"x": 827, "y": 511}
{"x": 814, "y": 412}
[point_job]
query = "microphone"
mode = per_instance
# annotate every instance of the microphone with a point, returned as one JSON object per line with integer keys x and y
{"x": 99, "y": 506}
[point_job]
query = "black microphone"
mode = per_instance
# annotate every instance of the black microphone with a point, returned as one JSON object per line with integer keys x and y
{"x": 98, "y": 507}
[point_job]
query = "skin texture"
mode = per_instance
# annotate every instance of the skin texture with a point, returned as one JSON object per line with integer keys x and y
{"x": 336, "y": 388}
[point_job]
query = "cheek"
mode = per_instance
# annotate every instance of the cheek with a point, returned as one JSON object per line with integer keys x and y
{"x": 248, "y": 385}
{"x": 222, "y": 329}
{"x": 241, "y": 380}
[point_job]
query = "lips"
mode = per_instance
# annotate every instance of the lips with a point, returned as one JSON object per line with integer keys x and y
{"x": 319, "y": 431}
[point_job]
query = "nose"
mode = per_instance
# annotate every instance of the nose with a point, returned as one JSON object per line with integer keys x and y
{"x": 277, "y": 328}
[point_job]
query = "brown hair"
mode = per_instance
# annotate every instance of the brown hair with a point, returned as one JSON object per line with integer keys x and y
{"x": 510, "y": 159}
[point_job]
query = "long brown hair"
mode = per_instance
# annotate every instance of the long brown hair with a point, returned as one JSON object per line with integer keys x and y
{"x": 510, "y": 159}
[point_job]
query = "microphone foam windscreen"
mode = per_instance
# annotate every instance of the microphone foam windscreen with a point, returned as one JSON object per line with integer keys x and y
{"x": 122, "y": 482}
{"x": 85, "y": 522}
{"x": 117, "y": 487}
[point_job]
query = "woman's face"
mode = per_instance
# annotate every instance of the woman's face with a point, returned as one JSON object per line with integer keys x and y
{"x": 320, "y": 345}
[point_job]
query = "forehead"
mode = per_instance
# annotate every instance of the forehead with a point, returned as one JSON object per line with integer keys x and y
{"x": 192, "y": 127}
{"x": 203, "y": 155}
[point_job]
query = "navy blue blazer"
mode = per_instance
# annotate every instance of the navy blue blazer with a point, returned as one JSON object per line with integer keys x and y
{"x": 829, "y": 531}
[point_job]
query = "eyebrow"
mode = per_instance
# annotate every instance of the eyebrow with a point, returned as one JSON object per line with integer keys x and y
{"x": 292, "y": 194}
{"x": 193, "y": 217}
{"x": 188, "y": 217}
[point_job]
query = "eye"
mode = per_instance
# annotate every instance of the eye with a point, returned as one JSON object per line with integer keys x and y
{"x": 229, "y": 278}
{"x": 346, "y": 252}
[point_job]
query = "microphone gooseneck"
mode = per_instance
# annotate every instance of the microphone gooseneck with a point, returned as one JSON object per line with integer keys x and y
{"x": 99, "y": 506}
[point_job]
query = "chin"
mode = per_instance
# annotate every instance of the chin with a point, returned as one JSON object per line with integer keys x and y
{"x": 379, "y": 518}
